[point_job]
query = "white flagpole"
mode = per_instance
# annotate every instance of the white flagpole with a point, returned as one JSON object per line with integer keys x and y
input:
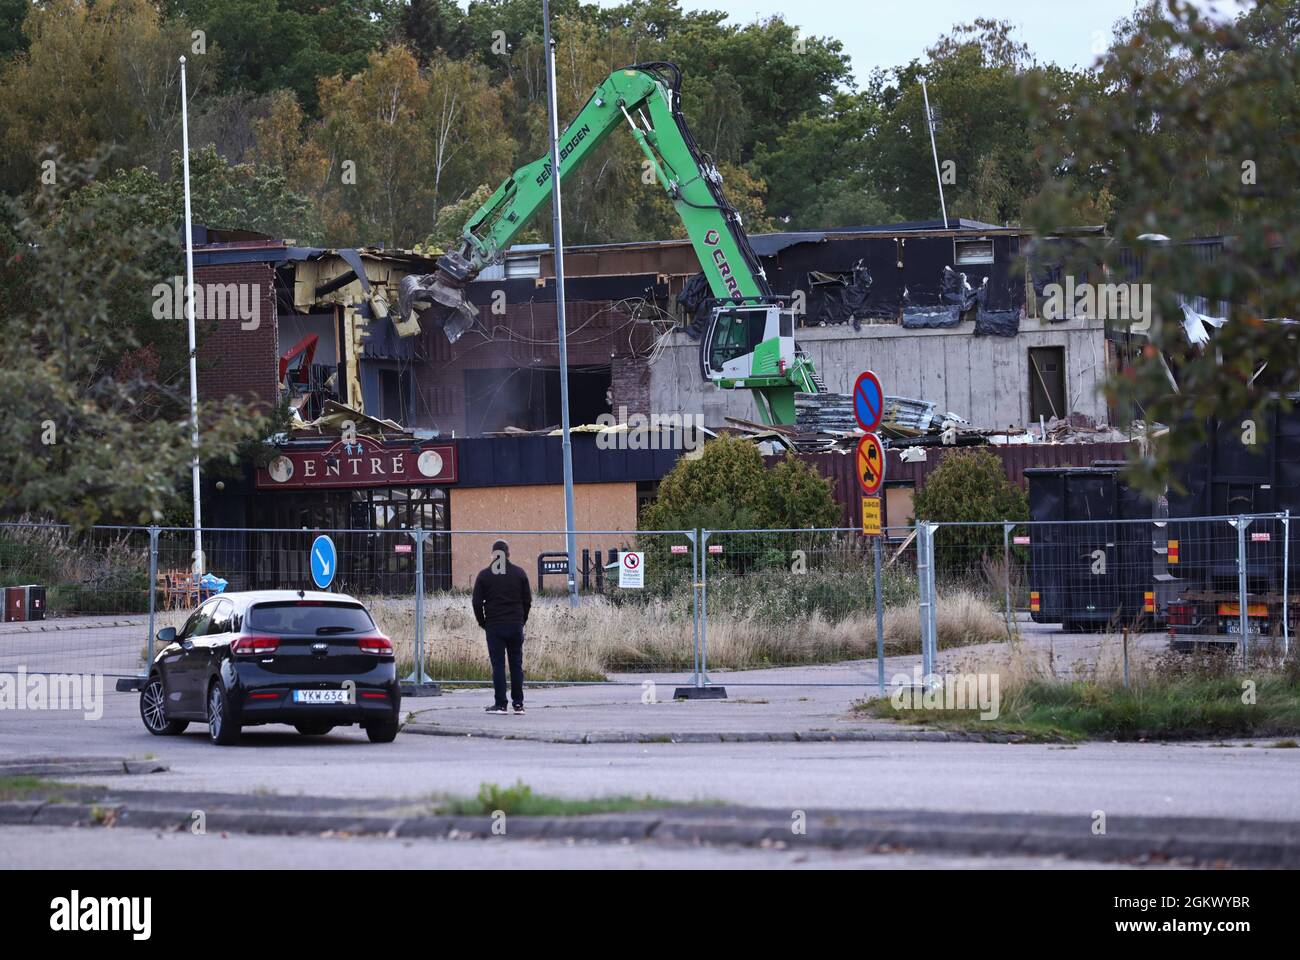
{"x": 929, "y": 122}
{"x": 199, "y": 560}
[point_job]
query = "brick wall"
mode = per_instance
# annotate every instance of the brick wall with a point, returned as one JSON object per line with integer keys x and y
{"x": 630, "y": 386}
{"x": 233, "y": 360}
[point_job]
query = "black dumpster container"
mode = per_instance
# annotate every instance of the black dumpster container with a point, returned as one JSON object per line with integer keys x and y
{"x": 1226, "y": 476}
{"x": 1089, "y": 574}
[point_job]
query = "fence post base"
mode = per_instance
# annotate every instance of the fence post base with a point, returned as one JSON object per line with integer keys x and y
{"x": 700, "y": 693}
{"x": 425, "y": 688}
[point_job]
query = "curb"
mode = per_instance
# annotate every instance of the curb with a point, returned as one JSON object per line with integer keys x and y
{"x": 53, "y": 626}
{"x": 103, "y": 767}
{"x": 764, "y": 829}
{"x": 796, "y": 736}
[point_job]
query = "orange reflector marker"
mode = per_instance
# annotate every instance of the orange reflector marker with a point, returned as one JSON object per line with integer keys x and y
{"x": 1252, "y": 610}
{"x": 1033, "y": 601}
{"x": 1173, "y": 551}
{"x": 1149, "y": 602}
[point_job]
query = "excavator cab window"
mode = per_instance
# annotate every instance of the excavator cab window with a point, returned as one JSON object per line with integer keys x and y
{"x": 738, "y": 333}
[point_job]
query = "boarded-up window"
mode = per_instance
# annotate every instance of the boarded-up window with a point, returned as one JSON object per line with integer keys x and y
{"x": 898, "y": 508}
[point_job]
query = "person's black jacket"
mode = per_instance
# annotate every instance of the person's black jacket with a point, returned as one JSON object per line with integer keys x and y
{"x": 502, "y": 598}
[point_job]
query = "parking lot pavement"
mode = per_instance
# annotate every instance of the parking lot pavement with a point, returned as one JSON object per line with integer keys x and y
{"x": 776, "y": 703}
{"x": 112, "y": 645}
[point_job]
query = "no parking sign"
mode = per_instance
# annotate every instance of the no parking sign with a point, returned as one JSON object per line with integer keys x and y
{"x": 631, "y": 569}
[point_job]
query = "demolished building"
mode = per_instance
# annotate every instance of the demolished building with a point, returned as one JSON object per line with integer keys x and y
{"x": 946, "y": 316}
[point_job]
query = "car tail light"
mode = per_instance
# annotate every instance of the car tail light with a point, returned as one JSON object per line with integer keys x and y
{"x": 1180, "y": 614}
{"x": 1149, "y": 602}
{"x": 369, "y": 695}
{"x": 256, "y": 646}
{"x": 1035, "y": 602}
{"x": 378, "y": 644}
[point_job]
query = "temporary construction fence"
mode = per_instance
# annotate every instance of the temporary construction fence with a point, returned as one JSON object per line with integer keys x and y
{"x": 110, "y": 589}
{"x": 690, "y": 602}
{"x": 801, "y": 597}
{"x": 1210, "y": 582}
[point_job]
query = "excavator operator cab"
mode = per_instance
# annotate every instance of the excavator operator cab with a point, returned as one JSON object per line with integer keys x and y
{"x": 747, "y": 340}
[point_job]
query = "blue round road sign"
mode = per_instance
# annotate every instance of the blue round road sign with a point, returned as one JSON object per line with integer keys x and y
{"x": 324, "y": 561}
{"x": 868, "y": 401}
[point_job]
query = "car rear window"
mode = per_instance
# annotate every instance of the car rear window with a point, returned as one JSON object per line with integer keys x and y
{"x": 309, "y": 617}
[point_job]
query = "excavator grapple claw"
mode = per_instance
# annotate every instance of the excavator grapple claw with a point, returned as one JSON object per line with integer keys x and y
{"x": 439, "y": 297}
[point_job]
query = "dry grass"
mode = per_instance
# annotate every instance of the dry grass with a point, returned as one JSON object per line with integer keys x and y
{"x": 964, "y": 617}
{"x": 601, "y": 637}
{"x": 1168, "y": 696}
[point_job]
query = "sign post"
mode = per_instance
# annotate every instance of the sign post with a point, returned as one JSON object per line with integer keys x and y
{"x": 869, "y": 408}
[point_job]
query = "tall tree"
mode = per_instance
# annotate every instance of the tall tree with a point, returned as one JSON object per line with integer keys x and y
{"x": 1197, "y": 133}
{"x": 94, "y": 76}
{"x": 272, "y": 44}
{"x": 90, "y": 432}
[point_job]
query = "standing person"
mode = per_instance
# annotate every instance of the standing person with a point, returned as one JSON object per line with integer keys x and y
{"x": 502, "y": 599}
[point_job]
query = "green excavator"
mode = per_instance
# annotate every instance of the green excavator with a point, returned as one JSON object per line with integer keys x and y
{"x": 748, "y": 341}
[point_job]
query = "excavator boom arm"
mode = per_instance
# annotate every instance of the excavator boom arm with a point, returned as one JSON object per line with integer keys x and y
{"x": 646, "y": 99}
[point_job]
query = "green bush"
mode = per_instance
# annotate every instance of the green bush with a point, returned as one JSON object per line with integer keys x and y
{"x": 969, "y": 486}
{"x": 728, "y": 487}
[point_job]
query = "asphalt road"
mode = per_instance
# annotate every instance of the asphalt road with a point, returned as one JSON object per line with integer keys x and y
{"x": 1231, "y": 780}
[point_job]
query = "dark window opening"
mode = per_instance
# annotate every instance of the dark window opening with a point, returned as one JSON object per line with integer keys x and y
{"x": 529, "y": 399}
{"x": 395, "y": 395}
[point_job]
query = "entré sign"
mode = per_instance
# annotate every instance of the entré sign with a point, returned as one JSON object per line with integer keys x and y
{"x": 361, "y": 463}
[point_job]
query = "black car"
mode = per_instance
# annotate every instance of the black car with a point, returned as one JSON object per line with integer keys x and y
{"x": 313, "y": 660}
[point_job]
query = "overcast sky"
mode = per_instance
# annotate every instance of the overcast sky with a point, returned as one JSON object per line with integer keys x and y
{"x": 888, "y": 33}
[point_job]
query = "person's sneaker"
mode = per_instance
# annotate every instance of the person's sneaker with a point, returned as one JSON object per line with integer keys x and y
{"x": 519, "y": 708}
{"x": 495, "y": 709}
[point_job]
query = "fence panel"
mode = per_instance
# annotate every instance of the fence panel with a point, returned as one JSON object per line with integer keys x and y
{"x": 101, "y": 612}
{"x": 94, "y": 615}
{"x": 785, "y": 598}
{"x": 1202, "y": 581}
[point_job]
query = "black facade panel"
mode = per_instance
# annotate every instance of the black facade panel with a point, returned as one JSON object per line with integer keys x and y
{"x": 517, "y": 461}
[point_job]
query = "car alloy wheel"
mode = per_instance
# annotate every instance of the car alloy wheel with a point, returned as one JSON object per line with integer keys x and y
{"x": 222, "y": 728}
{"x": 153, "y": 711}
{"x": 214, "y": 712}
{"x": 151, "y": 706}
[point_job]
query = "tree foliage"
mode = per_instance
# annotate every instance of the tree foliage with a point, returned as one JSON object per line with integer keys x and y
{"x": 729, "y": 487}
{"x": 91, "y": 430}
{"x": 969, "y": 488}
{"x": 1195, "y": 132}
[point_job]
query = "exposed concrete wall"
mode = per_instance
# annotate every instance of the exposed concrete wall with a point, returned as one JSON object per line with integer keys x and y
{"x": 984, "y": 379}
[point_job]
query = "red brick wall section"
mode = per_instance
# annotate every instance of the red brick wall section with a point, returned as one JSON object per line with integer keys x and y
{"x": 233, "y": 360}
{"x": 630, "y": 385}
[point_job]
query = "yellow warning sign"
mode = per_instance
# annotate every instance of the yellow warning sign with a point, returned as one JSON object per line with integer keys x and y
{"x": 871, "y": 516}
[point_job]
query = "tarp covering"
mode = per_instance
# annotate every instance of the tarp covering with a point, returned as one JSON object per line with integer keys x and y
{"x": 956, "y": 296}
{"x": 993, "y": 319}
{"x": 838, "y": 298}
{"x": 692, "y": 299}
